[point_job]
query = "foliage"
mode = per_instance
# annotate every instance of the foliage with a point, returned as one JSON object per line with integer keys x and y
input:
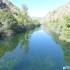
{"x": 60, "y": 27}
{"x": 15, "y": 22}
{"x": 60, "y": 31}
{"x": 65, "y": 32}
{"x": 6, "y": 21}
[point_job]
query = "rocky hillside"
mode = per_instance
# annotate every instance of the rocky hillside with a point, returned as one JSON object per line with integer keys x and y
{"x": 14, "y": 20}
{"x": 7, "y": 5}
{"x": 58, "y": 22}
{"x": 60, "y": 12}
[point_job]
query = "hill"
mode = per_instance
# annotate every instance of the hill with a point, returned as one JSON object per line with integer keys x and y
{"x": 60, "y": 12}
{"x": 58, "y": 22}
{"x": 14, "y": 20}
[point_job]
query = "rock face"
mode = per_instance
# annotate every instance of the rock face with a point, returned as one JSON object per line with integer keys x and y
{"x": 14, "y": 20}
{"x": 2, "y": 5}
{"x": 58, "y": 22}
{"x": 7, "y": 10}
{"x": 7, "y": 5}
{"x": 59, "y": 12}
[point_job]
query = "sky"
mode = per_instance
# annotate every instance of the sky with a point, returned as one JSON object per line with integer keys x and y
{"x": 39, "y": 8}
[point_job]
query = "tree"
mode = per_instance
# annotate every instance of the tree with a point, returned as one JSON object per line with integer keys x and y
{"x": 65, "y": 32}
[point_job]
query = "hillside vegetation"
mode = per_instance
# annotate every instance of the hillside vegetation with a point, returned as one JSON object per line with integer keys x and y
{"x": 58, "y": 22}
{"x": 14, "y": 20}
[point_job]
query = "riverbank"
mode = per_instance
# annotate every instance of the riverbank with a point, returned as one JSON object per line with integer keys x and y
{"x": 14, "y": 20}
{"x": 64, "y": 45}
{"x": 16, "y": 29}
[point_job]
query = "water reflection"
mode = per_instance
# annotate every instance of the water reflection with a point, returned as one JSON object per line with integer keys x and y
{"x": 35, "y": 52}
{"x": 65, "y": 46}
{"x": 45, "y": 52}
{"x": 11, "y": 43}
{"x": 12, "y": 50}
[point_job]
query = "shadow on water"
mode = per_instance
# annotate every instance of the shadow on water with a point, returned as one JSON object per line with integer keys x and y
{"x": 31, "y": 51}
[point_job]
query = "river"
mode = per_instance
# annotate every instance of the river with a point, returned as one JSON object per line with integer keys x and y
{"x": 35, "y": 50}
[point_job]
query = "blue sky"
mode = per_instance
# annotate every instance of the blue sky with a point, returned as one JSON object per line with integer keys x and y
{"x": 39, "y": 8}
